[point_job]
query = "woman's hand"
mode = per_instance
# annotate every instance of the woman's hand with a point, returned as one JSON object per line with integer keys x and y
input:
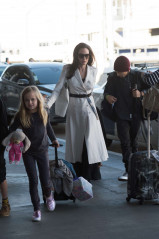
{"x": 55, "y": 143}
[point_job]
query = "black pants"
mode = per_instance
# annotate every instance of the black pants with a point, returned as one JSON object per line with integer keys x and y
{"x": 2, "y": 165}
{"x": 128, "y": 135}
{"x": 86, "y": 170}
{"x": 42, "y": 161}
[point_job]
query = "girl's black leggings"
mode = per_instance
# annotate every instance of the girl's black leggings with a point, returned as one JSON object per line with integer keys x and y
{"x": 37, "y": 163}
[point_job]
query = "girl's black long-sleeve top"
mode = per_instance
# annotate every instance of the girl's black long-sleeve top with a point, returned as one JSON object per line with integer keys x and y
{"x": 37, "y": 133}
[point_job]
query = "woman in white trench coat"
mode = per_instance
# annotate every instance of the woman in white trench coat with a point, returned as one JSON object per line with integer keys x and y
{"x": 85, "y": 145}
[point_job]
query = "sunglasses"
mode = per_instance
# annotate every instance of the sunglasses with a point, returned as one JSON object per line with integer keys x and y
{"x": 81, "y": 56}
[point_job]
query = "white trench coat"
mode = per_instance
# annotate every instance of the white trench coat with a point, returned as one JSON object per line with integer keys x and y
{"x": 81, "y": 122}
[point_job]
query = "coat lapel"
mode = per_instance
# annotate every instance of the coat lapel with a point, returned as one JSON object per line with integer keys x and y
{"x": 88, "y": 73}
{"x": 78, "y": 76}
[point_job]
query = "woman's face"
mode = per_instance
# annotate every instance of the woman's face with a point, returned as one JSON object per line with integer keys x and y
{"x": 83, "y": 56}
{"x": 31, "y": 102}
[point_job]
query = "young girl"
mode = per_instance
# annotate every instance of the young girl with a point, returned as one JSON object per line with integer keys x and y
{"x": 33, "y": 119}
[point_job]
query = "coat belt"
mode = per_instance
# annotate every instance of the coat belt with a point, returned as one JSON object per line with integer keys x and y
{"x": 80, "y": 95}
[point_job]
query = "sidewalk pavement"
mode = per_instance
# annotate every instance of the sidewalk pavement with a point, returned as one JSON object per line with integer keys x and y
{"x": 106, "y": 216}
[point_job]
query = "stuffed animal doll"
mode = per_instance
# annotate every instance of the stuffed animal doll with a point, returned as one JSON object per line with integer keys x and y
{"x": 14, "y": 144}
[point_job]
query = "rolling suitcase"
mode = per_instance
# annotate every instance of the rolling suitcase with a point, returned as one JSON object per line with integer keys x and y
{"x": 59, "y": 176}
{"x": 143, "y": 173}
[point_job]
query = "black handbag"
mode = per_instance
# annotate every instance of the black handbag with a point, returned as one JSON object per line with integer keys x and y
{"x": 153, "y": 115}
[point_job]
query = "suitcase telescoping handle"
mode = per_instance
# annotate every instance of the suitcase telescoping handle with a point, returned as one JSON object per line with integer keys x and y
{"x": 158, "y": 134}
{"x": 148, "y": 135}
{"x": 56, "y": 154}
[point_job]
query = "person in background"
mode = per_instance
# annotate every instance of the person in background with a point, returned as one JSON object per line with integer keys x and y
{"x": 7, "y": 60}
{"x": 31, "y": 60}
{"x": 5, "y": 209}
{"x": 85, "y": 145}
{"x": 33, "y": 119}
{"x": 124, "y": 91}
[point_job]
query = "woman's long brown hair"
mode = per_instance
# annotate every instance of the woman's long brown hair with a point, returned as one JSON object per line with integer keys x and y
{"x": 73, "y": 67}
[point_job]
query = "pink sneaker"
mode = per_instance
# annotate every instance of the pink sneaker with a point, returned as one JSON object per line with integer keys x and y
{"x": 50, "y": 203}
{"x": 36, "y": 216}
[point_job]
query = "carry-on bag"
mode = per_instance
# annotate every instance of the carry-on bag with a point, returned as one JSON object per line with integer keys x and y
{"x": 82, "y": 189}
{"x": 62, "y": 175}
{"x": 143, "y": 173}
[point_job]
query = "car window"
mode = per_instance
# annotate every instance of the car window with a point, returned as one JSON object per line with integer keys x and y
{"x": 2, "y": 69}
{"x": 10, "y": 75}
{"x": 14, "y": 77}
{"x": 46, "y": 75}
{"x": 14, "y": 74}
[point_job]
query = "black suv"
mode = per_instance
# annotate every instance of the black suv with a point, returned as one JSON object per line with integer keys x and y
{"x": 15, "y": 77}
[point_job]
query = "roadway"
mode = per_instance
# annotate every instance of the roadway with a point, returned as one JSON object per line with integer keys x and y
{"x": 106, "y": 216}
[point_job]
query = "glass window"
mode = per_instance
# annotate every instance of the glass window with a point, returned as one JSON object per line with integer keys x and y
{"x": 121, "y": 51}
{"x": 15, "y": 73}
{"x": 2, "y": 69}
{"x": 46, "y": 75}
{"x": 152, "y": 50}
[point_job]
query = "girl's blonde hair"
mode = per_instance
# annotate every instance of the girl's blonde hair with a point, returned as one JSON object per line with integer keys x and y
{"x": 24, "y": 114}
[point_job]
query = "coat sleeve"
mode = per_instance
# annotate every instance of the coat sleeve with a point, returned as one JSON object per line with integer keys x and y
{"x": 58, "y": 87}
{"x": 50, "y": 130}
{"x": 141, "y": 84}
{"x": 151, "y": 79}
{"x": 15, "y": 124}
{"x": 109, "y": 87}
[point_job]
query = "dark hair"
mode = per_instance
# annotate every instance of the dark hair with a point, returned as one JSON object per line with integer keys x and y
{"x": 75, "y": 62}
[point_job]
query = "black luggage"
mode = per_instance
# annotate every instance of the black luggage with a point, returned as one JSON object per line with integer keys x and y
{"x": 143, "y": 174}
{"x": 55, "y": 164}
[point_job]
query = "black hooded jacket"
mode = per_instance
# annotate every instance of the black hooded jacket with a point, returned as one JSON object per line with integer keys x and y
{"x": 126, "y": 107}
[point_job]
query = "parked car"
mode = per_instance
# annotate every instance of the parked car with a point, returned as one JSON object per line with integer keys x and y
{"x": 2, "y": 68}
{"x": 17, "y": 76}
{"x": 110, "y": 126}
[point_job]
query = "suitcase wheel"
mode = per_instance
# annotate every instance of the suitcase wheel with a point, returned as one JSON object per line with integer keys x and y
{"x": 128, "y": 199}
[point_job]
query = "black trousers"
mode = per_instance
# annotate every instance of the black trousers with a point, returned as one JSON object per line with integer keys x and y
{"x": 2, "y": 165}
{"x": 31, "y": 162}
{"x": 86, "y": 170}
{"x": 128, "y": 135}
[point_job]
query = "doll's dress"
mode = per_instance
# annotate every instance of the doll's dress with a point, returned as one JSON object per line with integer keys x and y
{"x": 15, "y": 152}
